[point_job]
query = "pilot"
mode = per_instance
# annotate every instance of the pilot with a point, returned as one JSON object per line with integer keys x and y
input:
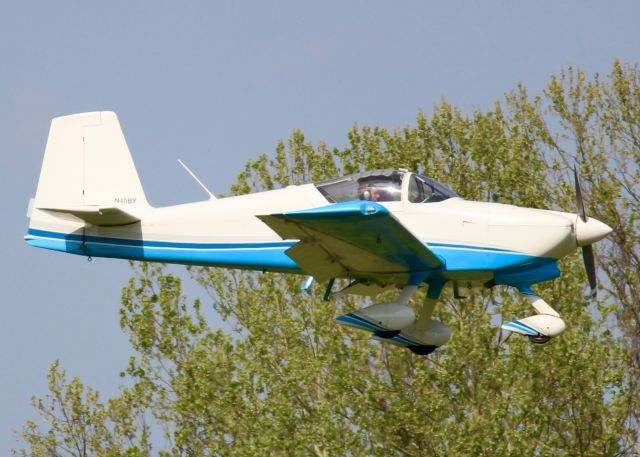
{"x": 371, "y": 192}
{"x": 380, "y": 195}
{"x": 363, "y": 191}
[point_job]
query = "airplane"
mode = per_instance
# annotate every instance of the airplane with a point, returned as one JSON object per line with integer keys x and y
{"x": 376, "y": 230}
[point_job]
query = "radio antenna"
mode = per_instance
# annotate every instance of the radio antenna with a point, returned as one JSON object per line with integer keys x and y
{"x": 211, "y": 196}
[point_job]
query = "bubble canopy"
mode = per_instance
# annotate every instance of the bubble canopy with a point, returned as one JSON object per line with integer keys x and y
{"x": 384, "y": 186}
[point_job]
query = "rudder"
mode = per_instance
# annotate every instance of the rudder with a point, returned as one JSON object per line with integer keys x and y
{"x": 87, "y": 163}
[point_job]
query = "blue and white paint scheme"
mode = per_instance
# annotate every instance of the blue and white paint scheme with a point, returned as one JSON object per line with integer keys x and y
{"x": 379, "y": 229}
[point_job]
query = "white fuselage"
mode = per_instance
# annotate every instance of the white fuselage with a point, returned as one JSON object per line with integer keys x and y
{"x": 471, "y": 236}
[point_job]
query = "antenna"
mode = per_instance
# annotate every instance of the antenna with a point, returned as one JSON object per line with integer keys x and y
{"x": 211, "y": 196}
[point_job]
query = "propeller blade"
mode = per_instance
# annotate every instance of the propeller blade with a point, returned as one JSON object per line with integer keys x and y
{"x": 590, "y": 266}
{"x": 581, "y": 212}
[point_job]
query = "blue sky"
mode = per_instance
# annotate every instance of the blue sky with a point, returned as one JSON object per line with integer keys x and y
{"x": 217, "y": 83}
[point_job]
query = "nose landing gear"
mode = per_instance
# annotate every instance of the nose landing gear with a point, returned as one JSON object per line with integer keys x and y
{"x": 540, "y": 328}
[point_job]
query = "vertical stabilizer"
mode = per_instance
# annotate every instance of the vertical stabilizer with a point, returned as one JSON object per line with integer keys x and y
{"x": 87, "y": 163}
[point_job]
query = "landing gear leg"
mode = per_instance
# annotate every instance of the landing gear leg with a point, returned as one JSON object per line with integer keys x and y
{"x": 427, "y": 333}
{"x": 433, "y": 294}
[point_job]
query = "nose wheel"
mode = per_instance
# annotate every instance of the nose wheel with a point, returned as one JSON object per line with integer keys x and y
{"x": 539, "y": 328}
{"x": 539, "y": 339}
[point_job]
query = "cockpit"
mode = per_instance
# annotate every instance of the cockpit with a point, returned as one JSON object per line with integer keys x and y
{"x": 384, "y": 186}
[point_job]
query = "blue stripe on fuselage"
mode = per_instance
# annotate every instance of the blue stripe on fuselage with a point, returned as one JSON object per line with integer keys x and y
{"x": 268, "y": 256}
{"x": 509, "y": 265}
{"x": 149, "y": 243}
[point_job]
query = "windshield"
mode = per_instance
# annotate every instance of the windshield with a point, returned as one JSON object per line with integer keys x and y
{"x": 423, "y": 189}
{"x": 383, "y": 186}
{"x": 376, "y": 185}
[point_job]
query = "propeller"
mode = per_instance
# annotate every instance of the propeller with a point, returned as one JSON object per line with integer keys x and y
{"x": 581, "y": 212}
{"x": 587, "y": 251}
{"x": 590, "y": 266}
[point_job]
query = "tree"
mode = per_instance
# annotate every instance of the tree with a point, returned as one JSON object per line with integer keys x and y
{"x": 287, "y": 381}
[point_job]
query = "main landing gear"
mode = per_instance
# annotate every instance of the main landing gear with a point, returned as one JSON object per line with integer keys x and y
{"x": 396, "y": 323}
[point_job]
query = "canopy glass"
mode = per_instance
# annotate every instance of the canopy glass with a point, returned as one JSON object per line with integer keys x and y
{"x": 384, "y": 186}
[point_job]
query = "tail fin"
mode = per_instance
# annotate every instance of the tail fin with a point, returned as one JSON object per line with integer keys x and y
{"x": 87, "y": 163}
{"x": 88, "y": 172}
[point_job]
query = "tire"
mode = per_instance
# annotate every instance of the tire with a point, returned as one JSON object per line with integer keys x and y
{"x": 422, "y": 350}
{"x": 539, "y": 339}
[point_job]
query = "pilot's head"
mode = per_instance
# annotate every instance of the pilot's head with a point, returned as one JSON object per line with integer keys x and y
{"x": 380, "y": 194}
{"x": 364, "y": 190}
{"x": 372, "y": 192}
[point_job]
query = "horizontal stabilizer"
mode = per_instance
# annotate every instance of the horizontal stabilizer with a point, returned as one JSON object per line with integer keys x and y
{"x": 98, "y": 215}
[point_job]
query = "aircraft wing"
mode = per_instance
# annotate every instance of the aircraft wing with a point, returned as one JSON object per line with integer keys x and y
{"x": 358, "y": 239}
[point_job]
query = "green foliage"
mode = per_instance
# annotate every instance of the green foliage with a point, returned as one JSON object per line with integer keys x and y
{"x": 80, "y": 425}
{"x": 285, "y": 380}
